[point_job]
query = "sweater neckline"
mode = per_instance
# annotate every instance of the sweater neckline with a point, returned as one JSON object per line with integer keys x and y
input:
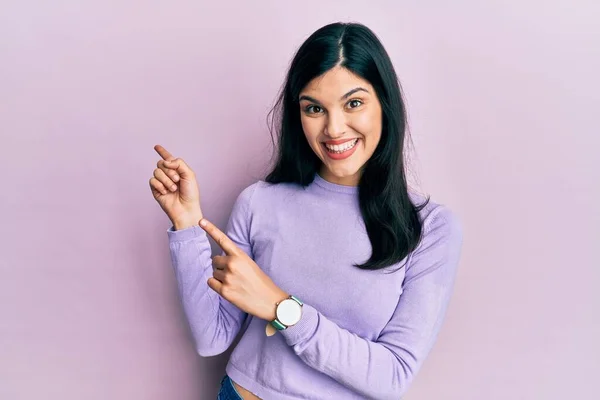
{"x": 334, "y": 187}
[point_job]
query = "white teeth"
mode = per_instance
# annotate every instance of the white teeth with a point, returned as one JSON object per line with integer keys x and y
{"x": 341, "y": 148}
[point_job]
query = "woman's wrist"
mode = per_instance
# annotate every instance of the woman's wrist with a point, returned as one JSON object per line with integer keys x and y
{"x": 180, "y": 224}
{"x": 274, "y": 298}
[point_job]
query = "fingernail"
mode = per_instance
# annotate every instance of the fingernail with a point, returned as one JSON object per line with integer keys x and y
{"x": 176, "y": 178}
{"x": 202, "y": 222}
{"x": 174, "y": 187}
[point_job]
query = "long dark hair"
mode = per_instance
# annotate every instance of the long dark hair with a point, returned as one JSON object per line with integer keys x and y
{"x": 391, "y": 219}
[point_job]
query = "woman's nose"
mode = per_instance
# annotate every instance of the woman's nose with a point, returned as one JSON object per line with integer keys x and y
{"x": 336, "y": 125}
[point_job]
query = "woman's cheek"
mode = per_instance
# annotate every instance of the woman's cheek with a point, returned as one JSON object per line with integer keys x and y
{"x": 367, "y": 125}
{"x": 311, "y": 128}
{"x": 364, "y": 122}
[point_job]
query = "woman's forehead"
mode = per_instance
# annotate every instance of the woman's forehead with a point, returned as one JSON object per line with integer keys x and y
{"x": 335, "y": 83}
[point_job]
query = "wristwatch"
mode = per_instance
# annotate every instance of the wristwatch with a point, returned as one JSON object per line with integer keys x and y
{"x": 287, "y": 313}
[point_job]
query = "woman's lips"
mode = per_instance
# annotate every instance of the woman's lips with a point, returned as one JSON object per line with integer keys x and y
{"x": 341, "y": 156}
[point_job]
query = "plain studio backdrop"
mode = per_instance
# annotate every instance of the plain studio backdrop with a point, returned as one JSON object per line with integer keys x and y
{"x": 503, "y": 103}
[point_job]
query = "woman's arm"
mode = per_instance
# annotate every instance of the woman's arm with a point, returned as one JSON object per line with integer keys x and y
{"x": 384, "y": 369}
{"x": 213, "y": 320}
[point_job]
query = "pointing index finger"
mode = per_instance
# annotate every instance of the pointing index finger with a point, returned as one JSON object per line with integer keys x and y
{"x": 163, "y": 152}
{"x": 222, "y": 239}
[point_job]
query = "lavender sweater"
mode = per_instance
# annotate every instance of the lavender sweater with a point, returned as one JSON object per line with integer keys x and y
{"x": 363, "y": 334}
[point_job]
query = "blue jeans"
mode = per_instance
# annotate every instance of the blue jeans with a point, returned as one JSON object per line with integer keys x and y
{"x": 227, "y": 390}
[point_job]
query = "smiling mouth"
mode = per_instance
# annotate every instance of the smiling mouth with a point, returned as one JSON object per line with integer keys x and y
{"x": 340, "y": 149}
{"x": 341, "y": 154}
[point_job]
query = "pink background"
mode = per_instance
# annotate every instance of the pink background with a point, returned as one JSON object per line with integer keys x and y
{"x": 503, "y": 103}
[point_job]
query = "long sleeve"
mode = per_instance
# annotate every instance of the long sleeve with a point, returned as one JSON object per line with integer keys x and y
{"x": 214, "y": 321}
{"x": 385, "y": 368}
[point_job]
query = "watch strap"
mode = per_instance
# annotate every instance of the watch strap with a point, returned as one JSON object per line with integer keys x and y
{"x": 278, "y": 325}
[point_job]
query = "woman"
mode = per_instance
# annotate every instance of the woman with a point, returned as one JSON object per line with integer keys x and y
{"x": 337, "y": 274}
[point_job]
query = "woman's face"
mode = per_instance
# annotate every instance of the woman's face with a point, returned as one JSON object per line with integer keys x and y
{"x": 340, "y": 108}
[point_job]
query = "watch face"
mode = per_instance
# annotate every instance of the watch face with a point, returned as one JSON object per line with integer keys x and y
{"x": 289, "y": 312}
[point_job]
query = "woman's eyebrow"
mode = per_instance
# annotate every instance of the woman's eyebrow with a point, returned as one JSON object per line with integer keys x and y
{"x": 312, "y": 100}
{"x": 350, "y": 93}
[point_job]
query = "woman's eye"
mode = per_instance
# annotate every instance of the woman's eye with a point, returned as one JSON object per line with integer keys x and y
{"x": 312, "y": 109}
{"x": 354, "y": 103}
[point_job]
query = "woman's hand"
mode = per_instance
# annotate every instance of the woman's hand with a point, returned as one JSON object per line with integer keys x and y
{"x": 174, "y": 187}
{"x": 238, "y": 279}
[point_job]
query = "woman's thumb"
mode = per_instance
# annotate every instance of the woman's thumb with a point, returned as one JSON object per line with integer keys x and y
{"x": 183, "y": 170}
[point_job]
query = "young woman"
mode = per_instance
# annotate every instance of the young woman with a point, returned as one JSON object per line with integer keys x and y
{"x": 335, "y": 272}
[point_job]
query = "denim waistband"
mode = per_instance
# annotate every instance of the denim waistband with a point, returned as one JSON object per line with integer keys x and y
{"x": 227, "y": 390}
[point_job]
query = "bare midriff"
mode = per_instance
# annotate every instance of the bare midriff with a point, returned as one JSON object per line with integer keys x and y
{"x": 246, "y": 395}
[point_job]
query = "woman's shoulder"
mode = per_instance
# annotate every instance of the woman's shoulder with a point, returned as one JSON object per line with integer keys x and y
{"x": 268, "y": 189}
{"x": 262, "y": 187}
{"x": 435, "y": 215}
{"x": 264, "y": 193}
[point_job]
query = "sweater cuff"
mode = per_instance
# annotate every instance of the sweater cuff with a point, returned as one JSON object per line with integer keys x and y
{"x": 304, "y": 329}
{"x": 193, "y": 232}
